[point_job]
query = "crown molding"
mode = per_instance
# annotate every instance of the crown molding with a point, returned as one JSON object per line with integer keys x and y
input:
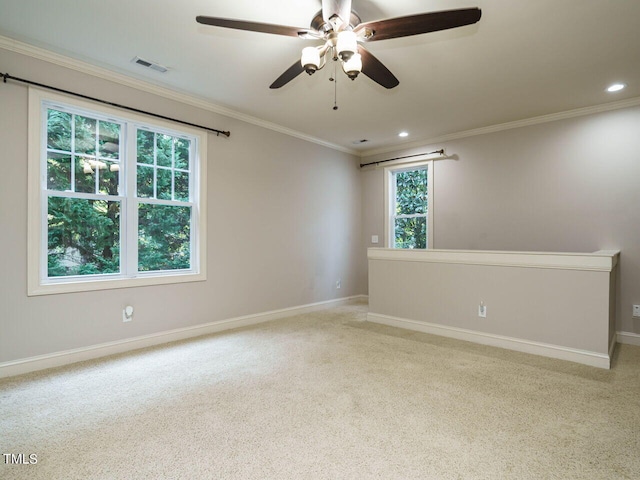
{"x": 578, "y": 112}
{"x": 39, "y": 53}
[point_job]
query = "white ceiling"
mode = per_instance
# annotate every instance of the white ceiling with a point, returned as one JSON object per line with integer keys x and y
{"x": 523, "y": 59}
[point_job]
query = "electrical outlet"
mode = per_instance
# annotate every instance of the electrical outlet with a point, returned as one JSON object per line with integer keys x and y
{"x": 127, "y": 313}
{"x": 338, "y": 284}
{"x": 636, "y": 311}
{"x": 482, "y": 310}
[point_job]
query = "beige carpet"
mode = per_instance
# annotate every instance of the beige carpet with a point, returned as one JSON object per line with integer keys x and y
{"x": 325, "y": 396}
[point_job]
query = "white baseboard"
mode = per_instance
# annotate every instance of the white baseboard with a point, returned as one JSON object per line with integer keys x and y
{"x": 57, "y": 359}
{"x": 629, "y": 338}
{"x": 585, "y": 357}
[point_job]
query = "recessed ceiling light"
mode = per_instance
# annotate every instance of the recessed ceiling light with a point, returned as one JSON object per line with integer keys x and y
{"x": 403, "y": 134}
{"x": 616, "y": 87}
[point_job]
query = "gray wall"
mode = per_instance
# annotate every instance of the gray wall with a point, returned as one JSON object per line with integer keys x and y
{"x": 283, "y": 226}
{"x": 287, "y": 217}
{"x": 566, "y": 186}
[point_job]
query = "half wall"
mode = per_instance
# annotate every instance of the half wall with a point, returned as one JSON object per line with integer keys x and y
{"x": 560, "y": 305}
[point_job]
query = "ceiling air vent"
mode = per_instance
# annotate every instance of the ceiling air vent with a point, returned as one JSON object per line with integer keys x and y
{"x": 152, "y": 65}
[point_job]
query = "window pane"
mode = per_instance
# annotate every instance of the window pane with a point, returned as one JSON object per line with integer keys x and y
{"x": 109, "y": 177}
{"x": 164, "y": 150}
{"x": 145, "y": 182}
{"x": 85, "y": 135}
{"x": 109, "y": 140}
{"x": 86, "y": 174}
{"x": 411, "y": 192}
{"x": 83, "y": 237}
{"x": 164, "y": 237}
{"x": 411, "y": 232}
{"x": 58, "y": 171}
{"x": 163, "y": 189}
{"x": 181, "y": 186}
{"x": 58, "y": 130}
{"x": 145, "y": 147}
{"x": 182, "y": 153}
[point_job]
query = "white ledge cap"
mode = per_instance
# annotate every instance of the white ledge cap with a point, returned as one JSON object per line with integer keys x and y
{"x": 602, "y": 260}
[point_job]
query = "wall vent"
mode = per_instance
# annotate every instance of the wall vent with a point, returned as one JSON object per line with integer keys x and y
{"x": 152, "y": 65}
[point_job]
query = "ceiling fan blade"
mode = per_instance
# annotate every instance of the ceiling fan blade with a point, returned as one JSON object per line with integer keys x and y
{"x": 417, "y": 24}
{"x": 292, "y": 72}
{"x": 375, "y": 70}
{"x": 254, "y": 26}
{"x": 341, "y": 8}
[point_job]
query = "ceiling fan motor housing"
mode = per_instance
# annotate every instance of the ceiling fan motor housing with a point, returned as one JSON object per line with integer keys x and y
{"x": 319, "y": 24}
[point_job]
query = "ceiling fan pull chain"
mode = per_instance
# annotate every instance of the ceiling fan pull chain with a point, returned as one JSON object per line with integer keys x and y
{"x": 335, "y": 86}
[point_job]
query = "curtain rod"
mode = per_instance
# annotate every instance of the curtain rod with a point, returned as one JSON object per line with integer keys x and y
{"x": 441, "y": 152}
{"x": 6, "y": 77}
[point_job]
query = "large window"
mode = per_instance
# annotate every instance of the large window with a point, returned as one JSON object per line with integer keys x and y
{"x": 409, "y": 221}
{"x": 115, "y": 200}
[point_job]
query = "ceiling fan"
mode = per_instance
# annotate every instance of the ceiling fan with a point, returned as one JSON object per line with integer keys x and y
{"x": 343, "y": 33}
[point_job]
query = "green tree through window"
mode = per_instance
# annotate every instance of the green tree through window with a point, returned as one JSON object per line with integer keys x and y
{"x": 411, "y": 208}
{"x": 87, "y": 198}
{"x": 83, "y": 183}
{"x": 164, "y": 226}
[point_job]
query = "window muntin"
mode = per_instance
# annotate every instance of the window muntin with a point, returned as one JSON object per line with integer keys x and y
{"x": 163, "y": 190}
{"x": 82, "y": 194}
{"x": 163, "y": 166}
{"x": 89, "y": 226}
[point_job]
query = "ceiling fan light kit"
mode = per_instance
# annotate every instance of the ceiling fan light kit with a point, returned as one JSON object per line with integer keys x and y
{"x": 310, "y": 59}
{"x": 343, "y": 34}
{"x": 347, "y": 45}
{"x": 353, "y": 66}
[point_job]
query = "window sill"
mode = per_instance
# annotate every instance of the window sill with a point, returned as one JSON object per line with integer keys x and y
{"x": 113, "y": 283}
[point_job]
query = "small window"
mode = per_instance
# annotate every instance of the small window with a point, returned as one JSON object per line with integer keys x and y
{"x": 409, "y": 222}
{"x": 114, "y": 201}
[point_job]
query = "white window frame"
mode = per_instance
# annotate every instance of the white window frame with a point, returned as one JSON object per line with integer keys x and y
{"x": 390, "y": 199}
{"x": 38, "y": 281}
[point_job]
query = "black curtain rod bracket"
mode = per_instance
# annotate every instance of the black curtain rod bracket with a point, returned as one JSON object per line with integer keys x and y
{"x": 441, "y": 152}
{"x": 6, "y": 77}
